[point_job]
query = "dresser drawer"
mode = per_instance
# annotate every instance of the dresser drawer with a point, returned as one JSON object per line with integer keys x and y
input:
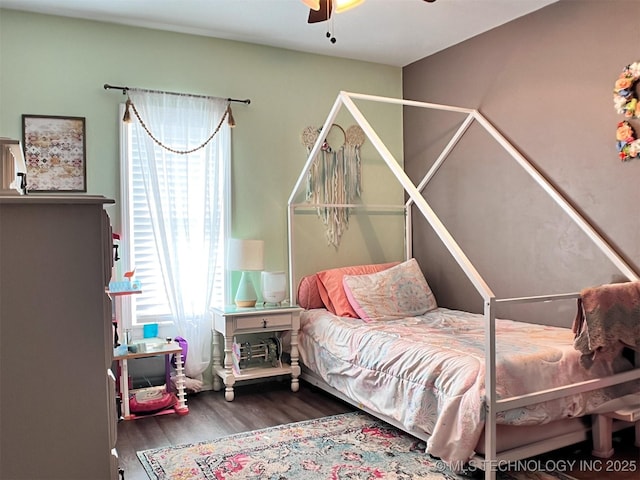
{"x": 263, "y": 321}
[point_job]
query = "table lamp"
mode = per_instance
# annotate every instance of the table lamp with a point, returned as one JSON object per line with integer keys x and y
{"x": 245, "y": 256}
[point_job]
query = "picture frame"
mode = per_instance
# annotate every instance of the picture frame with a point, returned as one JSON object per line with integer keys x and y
{"x": 55, "y": 153}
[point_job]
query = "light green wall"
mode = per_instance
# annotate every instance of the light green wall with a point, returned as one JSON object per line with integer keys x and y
{"x": 57, "y": 66}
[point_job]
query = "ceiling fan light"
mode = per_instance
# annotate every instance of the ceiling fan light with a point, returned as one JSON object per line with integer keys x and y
{"x": 344, "y": 5}
{"x": 312, "y": 4}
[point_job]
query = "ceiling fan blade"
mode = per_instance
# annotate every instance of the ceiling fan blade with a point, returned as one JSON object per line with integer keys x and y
{"x": 323, "y": 14}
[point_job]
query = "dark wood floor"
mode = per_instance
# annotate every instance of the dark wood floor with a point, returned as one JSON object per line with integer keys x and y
{"x": 623, "y": 465}
{"x": 272, "y": 403}
{"x": 211, "y": 416}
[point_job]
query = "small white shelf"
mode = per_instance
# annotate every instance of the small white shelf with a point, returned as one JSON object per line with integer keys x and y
{"x": 255, "y": 372}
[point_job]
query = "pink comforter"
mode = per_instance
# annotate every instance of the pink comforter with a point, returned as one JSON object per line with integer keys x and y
{"x": 427, "y": 372}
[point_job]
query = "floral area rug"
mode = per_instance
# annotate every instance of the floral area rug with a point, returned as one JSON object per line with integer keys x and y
{"x": 352, "y": 446}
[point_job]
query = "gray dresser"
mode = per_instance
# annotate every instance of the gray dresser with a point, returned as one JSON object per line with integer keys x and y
{"x": 57, "y": 395}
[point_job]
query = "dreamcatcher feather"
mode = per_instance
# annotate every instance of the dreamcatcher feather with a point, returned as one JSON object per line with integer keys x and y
{"x": 334, "y": 179}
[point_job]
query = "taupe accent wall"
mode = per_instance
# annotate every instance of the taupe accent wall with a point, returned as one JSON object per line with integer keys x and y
{"x": 546, "y": 83}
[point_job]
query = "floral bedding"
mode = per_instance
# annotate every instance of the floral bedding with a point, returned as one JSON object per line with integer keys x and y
{"x": 427, "y": 372}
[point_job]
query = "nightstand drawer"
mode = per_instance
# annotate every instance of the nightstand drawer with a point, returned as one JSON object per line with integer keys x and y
{"x": 263, "y": 321}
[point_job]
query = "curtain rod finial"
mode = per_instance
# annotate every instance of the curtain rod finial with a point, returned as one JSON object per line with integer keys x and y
{"x": 246, "y": 101}
{"x": 115, "y": 87}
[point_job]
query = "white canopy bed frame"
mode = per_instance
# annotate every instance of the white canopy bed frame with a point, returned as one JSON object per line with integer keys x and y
{"x": 490, "y": 301}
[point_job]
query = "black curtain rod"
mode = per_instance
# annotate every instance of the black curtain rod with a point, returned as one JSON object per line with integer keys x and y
{"x": 126, "y": 89}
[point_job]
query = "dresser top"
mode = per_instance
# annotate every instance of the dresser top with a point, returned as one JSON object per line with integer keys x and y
{"x": 32, "y": 199}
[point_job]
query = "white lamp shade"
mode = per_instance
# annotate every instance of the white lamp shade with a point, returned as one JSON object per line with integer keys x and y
{"x": 274, "y": 287}
{"x": 245, "y": 255}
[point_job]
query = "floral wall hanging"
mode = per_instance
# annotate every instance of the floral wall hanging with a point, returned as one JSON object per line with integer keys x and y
{"x": 626, "y": 103}
{"x": 335, "y": 176}
{"x": 627, "y": 143}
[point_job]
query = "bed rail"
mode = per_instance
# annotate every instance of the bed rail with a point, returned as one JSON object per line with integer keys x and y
{"x": 355, "y": 206}
{"x": 539, "y": 298}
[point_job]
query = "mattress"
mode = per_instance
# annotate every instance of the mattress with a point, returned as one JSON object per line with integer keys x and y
{"x": 427, "y": 372}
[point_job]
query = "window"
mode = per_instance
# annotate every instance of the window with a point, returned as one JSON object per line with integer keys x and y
{"x": 145, "y": 240}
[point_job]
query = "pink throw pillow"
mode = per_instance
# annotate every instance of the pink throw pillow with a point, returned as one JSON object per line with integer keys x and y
{"x": 332, "y": 291}
{"x": 308, "y": 293}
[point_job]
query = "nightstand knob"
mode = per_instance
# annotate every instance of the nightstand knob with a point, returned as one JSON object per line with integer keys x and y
{"x": 264, "y": 323}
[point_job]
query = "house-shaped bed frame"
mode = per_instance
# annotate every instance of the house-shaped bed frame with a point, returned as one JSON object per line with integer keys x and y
{"x": 493, "y": 405}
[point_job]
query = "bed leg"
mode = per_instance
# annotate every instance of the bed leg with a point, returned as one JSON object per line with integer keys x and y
{"x": 489, "y": 474}
{"x": 602, "y": 436}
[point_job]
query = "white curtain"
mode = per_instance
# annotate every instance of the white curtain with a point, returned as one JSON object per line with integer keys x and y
{"x": 186, "y": 205}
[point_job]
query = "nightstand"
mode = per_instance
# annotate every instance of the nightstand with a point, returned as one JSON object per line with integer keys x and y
{"x": 231, "y": 322}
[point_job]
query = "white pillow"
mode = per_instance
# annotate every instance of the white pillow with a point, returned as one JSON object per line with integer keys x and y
{"x": 397, "y": 292}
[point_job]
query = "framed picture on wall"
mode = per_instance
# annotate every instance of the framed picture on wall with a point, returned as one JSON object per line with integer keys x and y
{"x": 54, "y": 150}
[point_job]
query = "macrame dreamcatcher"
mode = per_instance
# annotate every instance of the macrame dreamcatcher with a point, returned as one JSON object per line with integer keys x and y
{"x": 334, "y": 177}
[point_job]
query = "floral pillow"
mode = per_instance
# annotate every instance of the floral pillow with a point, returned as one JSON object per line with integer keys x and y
{"x": 397, "y": 292}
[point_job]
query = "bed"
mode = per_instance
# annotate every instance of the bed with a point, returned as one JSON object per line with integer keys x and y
{"x": 452, "y": 378}
{"x": 423, "y": 366}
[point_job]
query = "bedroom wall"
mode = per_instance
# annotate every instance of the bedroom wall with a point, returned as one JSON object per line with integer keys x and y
{"x": 52, "y": 65}
{"x": 546, "y": 82}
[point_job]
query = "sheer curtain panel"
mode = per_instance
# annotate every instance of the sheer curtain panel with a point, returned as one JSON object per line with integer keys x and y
{"x": 184, "y": 198}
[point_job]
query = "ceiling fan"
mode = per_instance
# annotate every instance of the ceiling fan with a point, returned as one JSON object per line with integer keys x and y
{"x": 321, "y": 10}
